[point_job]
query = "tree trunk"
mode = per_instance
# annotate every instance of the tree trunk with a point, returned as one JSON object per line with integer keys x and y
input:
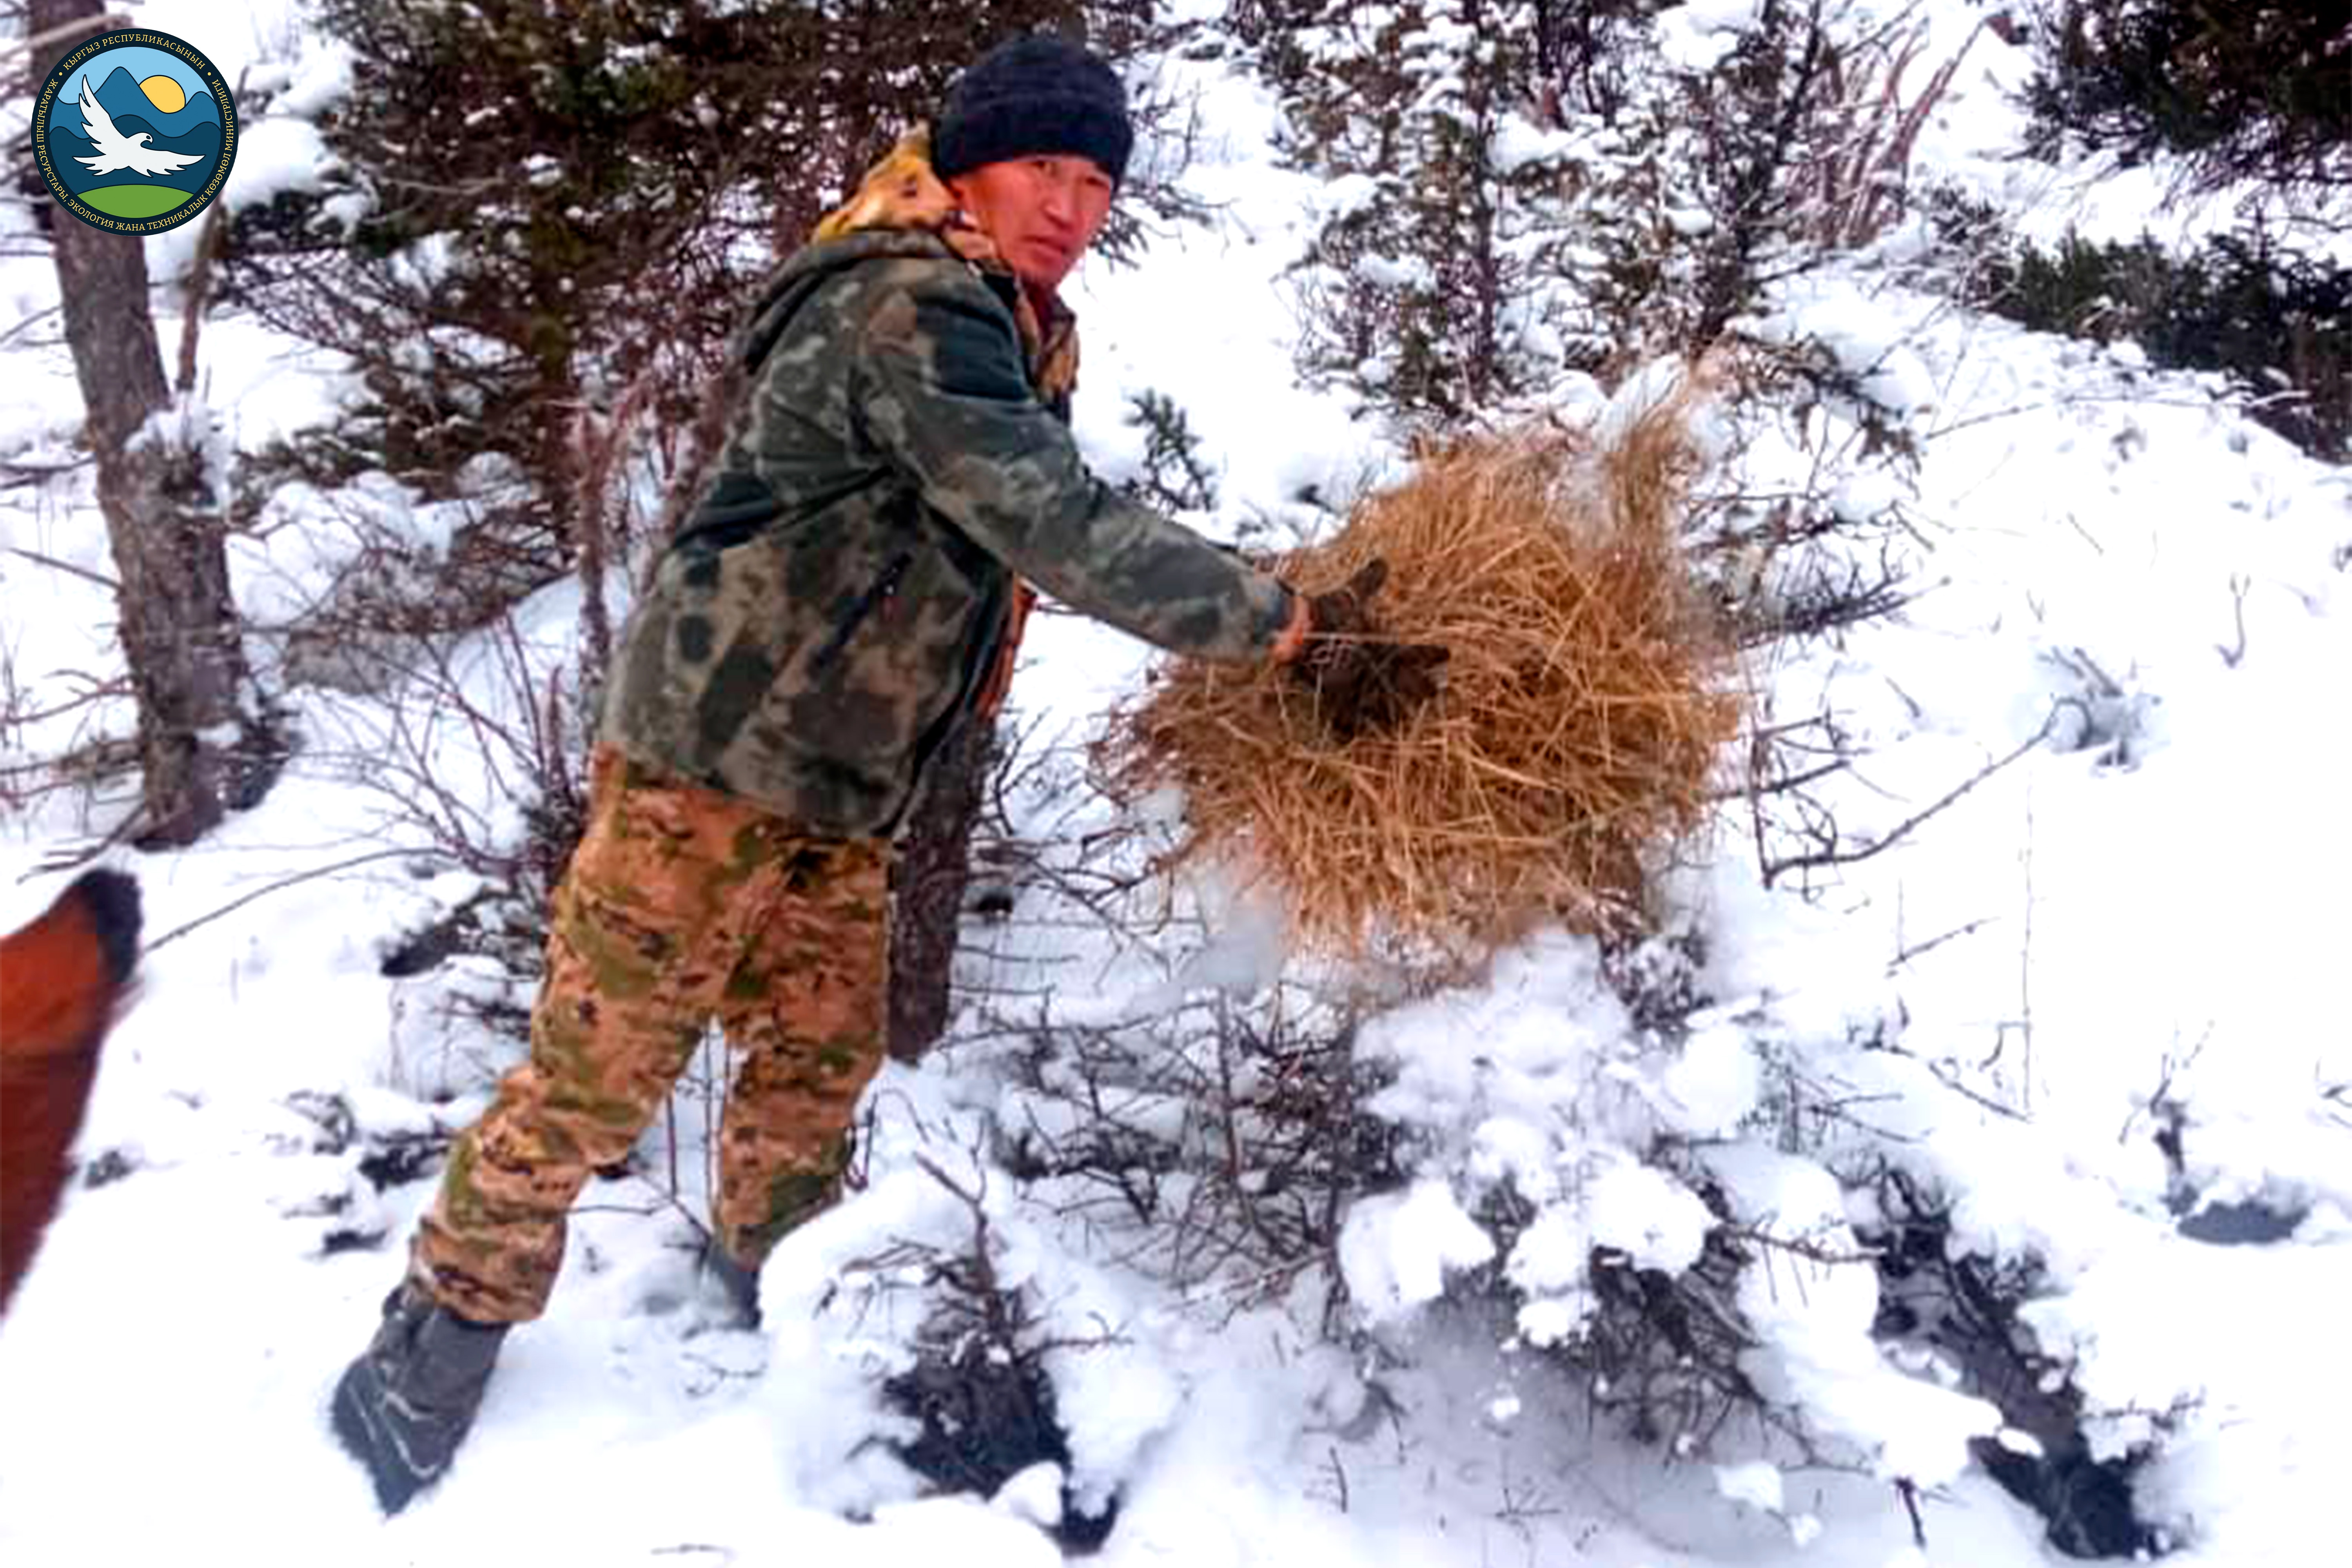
{"x": 201, "y": 746}
{"x": 934, "y": 867}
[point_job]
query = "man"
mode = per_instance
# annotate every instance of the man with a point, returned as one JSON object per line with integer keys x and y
{"x": 846, "y": 595}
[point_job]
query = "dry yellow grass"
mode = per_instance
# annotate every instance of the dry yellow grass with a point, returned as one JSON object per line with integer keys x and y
{"x": 1586, "y": 698}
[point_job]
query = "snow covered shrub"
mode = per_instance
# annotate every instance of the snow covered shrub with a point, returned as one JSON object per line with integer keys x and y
{"x": 1640, "y": 1196}
{"x": 1215, "y": 1145}
{"x": 2274, "y": 318}
{"x": 1425, "y": 287}
{"x": 975, "y": 1380}
{"x": 2243, "y": 90}
{"x": 1501, "y": 211}
{"x": 1747, "y": 146}
{"x": 1044, "y": 1235}
{"x": 1516, "y": 193}
{"x": 1961, "y": 1310}
{"x": 528, "y": 219}
{"x": 1863, "y": 133}
{"x": 349, "y": 586}
{"x": 1802, "y": 528}
{"x": 1796, "y": 120}
{"x": 1712, "y": 1210}
{"x": 505, "y": 185}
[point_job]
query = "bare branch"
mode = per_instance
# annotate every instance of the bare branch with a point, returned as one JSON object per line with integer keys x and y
{"x": 1903, "y": 829}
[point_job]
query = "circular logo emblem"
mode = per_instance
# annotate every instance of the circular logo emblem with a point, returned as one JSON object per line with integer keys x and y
{"x": 134, "y": 131}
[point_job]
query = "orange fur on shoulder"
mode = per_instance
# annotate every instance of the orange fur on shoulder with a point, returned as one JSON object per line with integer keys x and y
{"x": 61, "y": 979}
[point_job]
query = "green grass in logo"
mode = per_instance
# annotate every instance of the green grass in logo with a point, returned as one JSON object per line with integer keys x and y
{"x": 135, "y": 201}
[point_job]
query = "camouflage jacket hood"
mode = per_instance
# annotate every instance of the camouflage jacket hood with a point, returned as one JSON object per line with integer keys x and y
{"x": 831, "y": 610}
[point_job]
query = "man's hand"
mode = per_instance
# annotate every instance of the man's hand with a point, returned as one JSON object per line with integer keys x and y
{"x": 1360, "y": 683}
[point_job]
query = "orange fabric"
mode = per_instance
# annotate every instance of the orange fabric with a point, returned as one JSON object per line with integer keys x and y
{"x": 1293, "y": 640}
{"x": 1000, "y": 678}
{"x": 59, "y": 989}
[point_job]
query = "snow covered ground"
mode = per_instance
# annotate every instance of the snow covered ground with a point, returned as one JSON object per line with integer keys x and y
{"x": 2103, "y": 555}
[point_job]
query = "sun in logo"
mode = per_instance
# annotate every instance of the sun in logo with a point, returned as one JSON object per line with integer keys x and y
{"x": 134, "y": 131}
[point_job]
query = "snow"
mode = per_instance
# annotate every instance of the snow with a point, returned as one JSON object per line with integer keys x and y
{"x": 2243, "y": 1465}
{"x": 1814, "y": 1309}
{"x": 1518, "y": 144}
{"x": 1712, "y": 1086}
{"x": 1866, "y": 341}
{"x": 1652, "y": 1219}
{"x": 1395, "y": 1251}
{"x": 1700, "y": 34}
{"x": 1756, "y": 1484}
{"x": 2136, "y": 596}
{"x": 277, "y": 154}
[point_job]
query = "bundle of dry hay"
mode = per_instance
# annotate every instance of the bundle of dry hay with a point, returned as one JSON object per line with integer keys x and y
{"x": 1587, "y": 697}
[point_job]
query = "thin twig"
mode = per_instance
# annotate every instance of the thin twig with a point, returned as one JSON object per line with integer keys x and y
{"x": 283, "y": 883}
{"x": 1908, "y": 1490}
{"x": 67, "y": 567}
{"x": 211, "y": 240}
{"x": 1932, "y": 942}
{"x": 1904, "y": 828}
{"x": 2233, "y": 653}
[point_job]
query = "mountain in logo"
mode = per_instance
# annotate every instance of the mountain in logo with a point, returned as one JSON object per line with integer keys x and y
{"x": 121, "y": 96}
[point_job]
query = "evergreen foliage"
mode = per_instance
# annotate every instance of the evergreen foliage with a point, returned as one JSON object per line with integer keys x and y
{"x": 1524, "y": 189}
{"x": 1174, "y": 475}
{"x": 1424, "y": 285}
{"x": 2278, "y": 322}
{"x": 542, "y": 210}
{"x": 2243, "y": 90}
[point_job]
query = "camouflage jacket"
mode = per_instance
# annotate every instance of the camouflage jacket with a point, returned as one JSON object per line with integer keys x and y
{"x": 832, "y": 611}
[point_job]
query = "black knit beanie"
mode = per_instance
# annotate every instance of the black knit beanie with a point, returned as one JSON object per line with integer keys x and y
{"x": 1035, "y": 95}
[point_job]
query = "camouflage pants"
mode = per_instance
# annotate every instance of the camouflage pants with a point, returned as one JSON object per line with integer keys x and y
{"x": 681, "y": 905}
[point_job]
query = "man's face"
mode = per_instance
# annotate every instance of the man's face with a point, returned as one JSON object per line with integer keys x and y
{"x": 1042, "y": 212}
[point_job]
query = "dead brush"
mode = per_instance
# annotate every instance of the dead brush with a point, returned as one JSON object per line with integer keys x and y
{"x": 1587, "y": 694}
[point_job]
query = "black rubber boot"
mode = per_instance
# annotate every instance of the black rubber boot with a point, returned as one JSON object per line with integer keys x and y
{"x": 406, "y": 1403}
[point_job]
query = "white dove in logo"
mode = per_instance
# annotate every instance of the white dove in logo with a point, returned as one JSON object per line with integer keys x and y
{"x": 116, "y": 150}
